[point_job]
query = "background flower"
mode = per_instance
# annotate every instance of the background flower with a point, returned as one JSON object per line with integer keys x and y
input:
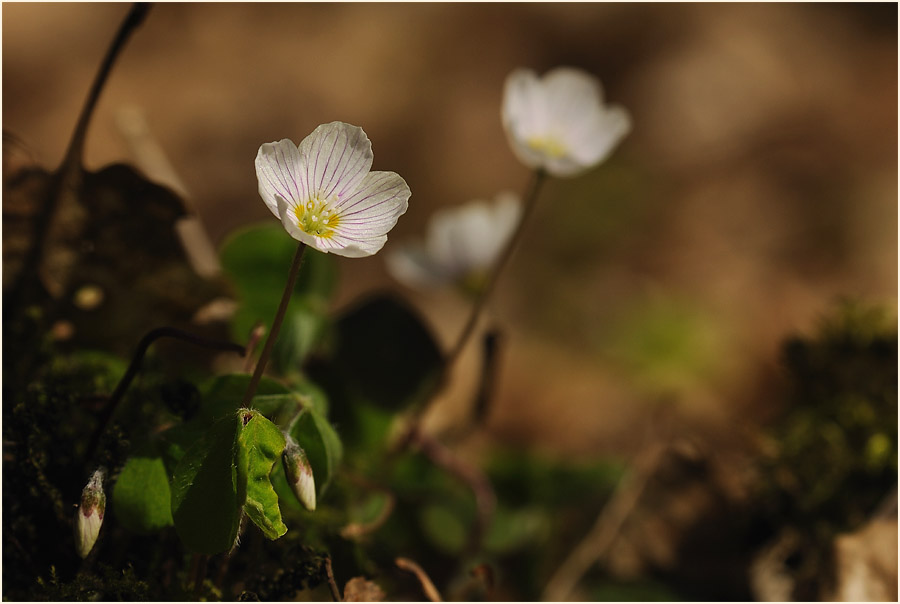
{"x": 559, "y": 122}
{"x": 324, "y": 193}
{"x": 461, "y": 245}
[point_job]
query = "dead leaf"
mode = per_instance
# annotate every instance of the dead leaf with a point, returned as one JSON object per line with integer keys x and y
{"x": 360, "y": 589}
{"x": 866, "y": 563}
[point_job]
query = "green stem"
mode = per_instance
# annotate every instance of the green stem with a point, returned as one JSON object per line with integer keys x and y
{"x": 276, "y": 325}
{"x": 529, "y": 203}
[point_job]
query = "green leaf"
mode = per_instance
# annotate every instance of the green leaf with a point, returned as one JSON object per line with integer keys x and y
{"x": 257, "y": 260}
{"x": 223, "y": 394}
{"x": 301, "y": 330}
{"x": 516, "y": 529}
{"x": 283, "y": 408}
{"x": 447, "y": 526}
{"x": 385, "y": 353}
{"x": 311, "y": 396}
{"x": 322, "y": 446}
{"x": 279, "y": 408}
{"x": 141, "y": 497}
{"x": 260, "y": 444}
{"x": 206, "y": 502}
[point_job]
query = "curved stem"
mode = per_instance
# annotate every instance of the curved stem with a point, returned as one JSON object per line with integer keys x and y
{"x": 151, "y": 336}
{"x": 425, "y": 581}
{"x": 529, "y": 203}
{"x": 276, "y": 325}
{"x": 132, "y": 20}
{"x": 69, "y": 172}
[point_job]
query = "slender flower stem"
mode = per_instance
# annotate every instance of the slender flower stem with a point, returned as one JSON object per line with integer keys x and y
{"x": 529, "y": 203}
{"x": 427, "y": 397}
{"x": 276, "y": 325}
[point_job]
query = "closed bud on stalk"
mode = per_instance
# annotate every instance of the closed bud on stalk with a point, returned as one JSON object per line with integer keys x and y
{"x": 89, "y": 515}
{"x": 299, "y": 473}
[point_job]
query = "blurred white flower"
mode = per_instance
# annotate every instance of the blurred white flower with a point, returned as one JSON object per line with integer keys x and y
{"x": 461, "y": 245}
{"x": 559, "y": 122}
{"x": 324, "y": 193}
{"x": 89, "y": 515}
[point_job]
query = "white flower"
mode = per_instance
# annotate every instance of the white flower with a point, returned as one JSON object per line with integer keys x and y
{"x": 89, "y": 515}
{"x": 559, "y": 122}
{"x": 324, "y": 193}
{"x": 461, "y": 245}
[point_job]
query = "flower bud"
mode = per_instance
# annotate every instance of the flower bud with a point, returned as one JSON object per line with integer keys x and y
{"x": 299, "y": 473}
{"x": 89, "y": 515}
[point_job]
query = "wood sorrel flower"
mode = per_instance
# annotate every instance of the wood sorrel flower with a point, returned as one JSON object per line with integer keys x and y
{"x": 89, "y": 515}
{"x": 460, "y": 247}
{"x": 324, "y": 193}
{"x": 559, "y": 122}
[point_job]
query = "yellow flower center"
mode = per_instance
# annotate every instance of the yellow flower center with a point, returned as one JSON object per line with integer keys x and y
{"x": 549, "y": 146}
{"x": 314, "y": 219}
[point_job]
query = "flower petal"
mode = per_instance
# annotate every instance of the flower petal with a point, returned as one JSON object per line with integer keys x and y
{"x": 571, "y": 96}
{"x": 278, "y": 171}
{"x": 559, "y": 122}
{"x": 375, "y": 206}
{"x": 336, "y": 156}
{"x": 524, "y": 114}
{"x": 411, "y": 265}
{"x": 599, "y": 137}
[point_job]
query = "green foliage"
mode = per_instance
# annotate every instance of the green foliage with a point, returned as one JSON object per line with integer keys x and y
{"x": 141, "y": 499}
{"x": 667, "y": 344}
{"x": 256, "y": 260}
{"x": 107, "y": 584}
{"x": 834, "y": 451}
{"x": 226, "y": 471}
{"x": 322, "y": 446}
{"x": 259, "y": 447}
{"x": 517, "y": 527}
{"x": 550, "y": 482}
{"x": 223, "y": 394}
{"x": 446, "y": 525}
{"x": 384, "y": 353}
{"x": 206, "y": 499}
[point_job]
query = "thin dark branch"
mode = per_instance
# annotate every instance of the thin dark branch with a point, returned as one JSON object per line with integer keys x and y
{"x": 133, "y": 20}
{"x": 135, "y": 365}
{"x": 68, "y": 175}
{"x": 329, "y": 573}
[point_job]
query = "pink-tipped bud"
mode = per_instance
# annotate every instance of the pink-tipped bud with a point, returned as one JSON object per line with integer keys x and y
{"x": 299, "y": 473}
{"x": 89, "y": 515}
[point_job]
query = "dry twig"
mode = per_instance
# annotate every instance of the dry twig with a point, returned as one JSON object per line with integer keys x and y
{"x": 335, "y": 592}
{"x": 428, "y": 587}
{"x": 606, "y": 528}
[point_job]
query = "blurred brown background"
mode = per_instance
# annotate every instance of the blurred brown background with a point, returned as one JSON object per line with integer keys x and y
{"x": 759, "y": 184}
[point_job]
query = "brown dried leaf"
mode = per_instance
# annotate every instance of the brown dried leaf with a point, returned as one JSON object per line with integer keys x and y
{"x": 112, "y": 234}
{"x": 360, "y": 589}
